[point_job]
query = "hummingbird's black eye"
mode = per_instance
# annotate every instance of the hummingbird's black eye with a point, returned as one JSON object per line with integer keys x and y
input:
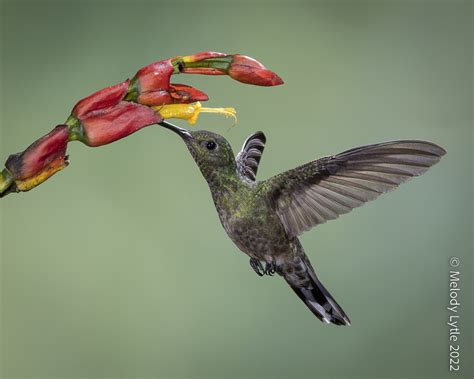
{"x": 210, "y": 145}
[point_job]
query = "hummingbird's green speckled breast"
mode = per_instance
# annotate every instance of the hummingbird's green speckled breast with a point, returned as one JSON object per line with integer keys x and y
{"x": 249, "y": 220}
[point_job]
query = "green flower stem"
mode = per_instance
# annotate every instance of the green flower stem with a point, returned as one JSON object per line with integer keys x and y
{"x": 76, "y": 130}
{"x": 133, "y": 90}
{"x": 218, "y": 63}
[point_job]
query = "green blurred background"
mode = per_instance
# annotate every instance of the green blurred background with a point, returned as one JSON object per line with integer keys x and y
{"x": 118, "y": 266}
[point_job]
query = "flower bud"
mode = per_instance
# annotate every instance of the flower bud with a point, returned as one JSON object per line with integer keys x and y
{"x": 248, "y": 70}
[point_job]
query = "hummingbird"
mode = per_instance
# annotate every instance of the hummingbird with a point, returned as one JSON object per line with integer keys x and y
{"x": 265, "y": 218}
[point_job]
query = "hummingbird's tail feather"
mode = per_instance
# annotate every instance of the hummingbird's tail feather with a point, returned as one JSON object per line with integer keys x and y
{"x": 321, "y": 303}
{"x": 300, "y": 276}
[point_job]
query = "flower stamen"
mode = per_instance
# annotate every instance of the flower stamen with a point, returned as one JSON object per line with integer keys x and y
{"x": 191, "y": 112}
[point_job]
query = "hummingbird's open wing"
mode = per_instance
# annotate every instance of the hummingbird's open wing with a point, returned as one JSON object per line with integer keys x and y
{"x": 249, "y": 157}
{"x": 322, "y": 190}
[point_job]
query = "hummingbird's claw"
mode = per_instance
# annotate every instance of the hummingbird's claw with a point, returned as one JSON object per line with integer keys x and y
{"x": 270, "y": 269}
{"x": 257, "y": 266}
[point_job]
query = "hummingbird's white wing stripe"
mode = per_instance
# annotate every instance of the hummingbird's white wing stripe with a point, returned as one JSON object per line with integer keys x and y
{"x": 326, "y": 188}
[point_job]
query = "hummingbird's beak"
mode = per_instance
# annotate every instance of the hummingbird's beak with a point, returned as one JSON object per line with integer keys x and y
{"x": 183, "y": 133}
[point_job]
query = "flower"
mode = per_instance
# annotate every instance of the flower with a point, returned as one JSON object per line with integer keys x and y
{"x": 111, "y": 124}
{"x": 105, "y": 116}
{"x": 42, "y": 159}
{"x": 239, "y": 67}
{"x": 151, "y": 84}
{"x": 124, "y": 108}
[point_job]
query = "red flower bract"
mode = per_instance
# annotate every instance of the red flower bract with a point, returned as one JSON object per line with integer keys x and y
{"x": 109, "y": 125}
{"x": 107, "y": 97}
{"x": 105, "y": 117}
{"x": 176, "y": 94}
{"x": 155, "y": 76}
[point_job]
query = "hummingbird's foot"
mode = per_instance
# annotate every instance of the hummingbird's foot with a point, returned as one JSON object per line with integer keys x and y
{"x": 257, "y": 266}
{"x": 270, "y": 268}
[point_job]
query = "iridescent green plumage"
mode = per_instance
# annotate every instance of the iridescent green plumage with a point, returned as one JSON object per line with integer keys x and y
{"x": 264, "y": 218}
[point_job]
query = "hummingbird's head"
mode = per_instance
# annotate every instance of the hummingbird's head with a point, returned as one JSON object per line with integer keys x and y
{"x": 212, "y": 152}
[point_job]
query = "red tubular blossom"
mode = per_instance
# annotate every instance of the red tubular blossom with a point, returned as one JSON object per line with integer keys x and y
{"x": 105, "y": 117}
{"x": 239, "y": 67}
{"x": 40, "y": 160}
{"x": 151, "y": 84}
{"x": 109, "y": 125}
{"x": 248, "y": 70}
